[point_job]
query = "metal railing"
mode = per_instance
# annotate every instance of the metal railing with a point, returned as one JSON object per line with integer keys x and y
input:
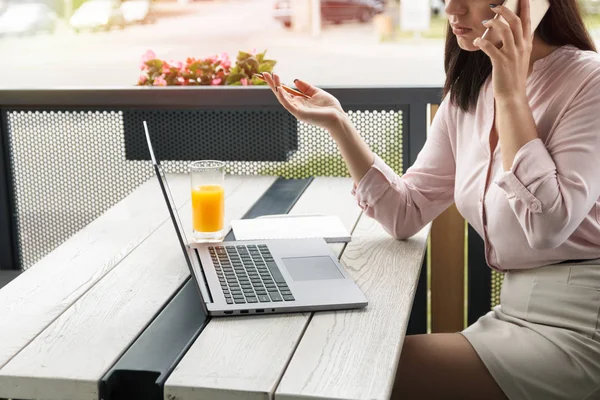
{"x": 68, "y": 155}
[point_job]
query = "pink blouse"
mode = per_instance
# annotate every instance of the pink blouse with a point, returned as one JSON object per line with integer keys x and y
{"x": 545, "y": 209}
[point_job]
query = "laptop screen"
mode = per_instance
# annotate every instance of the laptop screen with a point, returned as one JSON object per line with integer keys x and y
{"x": 171, "y": 204}
{"x": 162, "y": 180}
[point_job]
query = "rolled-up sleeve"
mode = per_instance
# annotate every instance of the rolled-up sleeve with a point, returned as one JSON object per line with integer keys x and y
{"x": 404, "y": 205}
{"x": 551, "y": 187}
{"x": 374, "y": 184}
{"x": 532, "y": 164}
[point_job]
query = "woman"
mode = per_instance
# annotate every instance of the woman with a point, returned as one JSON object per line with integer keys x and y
{"x": 516, "y": 145}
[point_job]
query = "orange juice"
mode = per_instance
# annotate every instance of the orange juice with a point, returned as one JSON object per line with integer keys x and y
{"x": 208, "y": 208}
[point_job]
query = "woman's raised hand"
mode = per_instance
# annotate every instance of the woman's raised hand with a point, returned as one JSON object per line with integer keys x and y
{"x": 319, "y": 108}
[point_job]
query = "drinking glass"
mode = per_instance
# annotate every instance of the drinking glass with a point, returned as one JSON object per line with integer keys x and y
{"x": 208, "y": 200}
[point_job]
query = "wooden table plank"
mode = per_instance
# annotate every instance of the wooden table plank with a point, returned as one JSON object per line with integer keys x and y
{"x": 354, "y": 354}
{"x": 244, "y": 357}
{"x": 66, "y": 361}
{"x": 43, "y": 292}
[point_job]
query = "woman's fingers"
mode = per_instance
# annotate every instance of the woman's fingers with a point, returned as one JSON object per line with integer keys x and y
{"x": 525, "y": 16}
{"x": 488, "y": 48}
{"x": 305, "y": 87}
{"x": 503, "y": 31}
{"x": 269, "y": 80}
{"x": 273, "y": 81}
{"x": 277, "y": 80}
{"x": 286, "y": 101}
{"x": 514, "y": 22}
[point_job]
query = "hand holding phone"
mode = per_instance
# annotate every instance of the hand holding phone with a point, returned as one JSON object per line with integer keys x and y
{"x": 538, "y": 10}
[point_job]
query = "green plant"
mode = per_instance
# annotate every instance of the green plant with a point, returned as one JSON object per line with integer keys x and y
{"x": 246, "y": 66}
{"x": 215, "y": 70}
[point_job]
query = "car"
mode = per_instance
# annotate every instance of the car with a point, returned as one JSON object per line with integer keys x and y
{"x": 98, "y": 14}
{"x": 138, "y": 11}
{"x": 27, "y": 18}
{"x": 335, "y": 11}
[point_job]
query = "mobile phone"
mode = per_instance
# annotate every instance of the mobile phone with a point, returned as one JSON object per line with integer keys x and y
{"x": 538, "y": 10}
{"x": 285, "y": 87}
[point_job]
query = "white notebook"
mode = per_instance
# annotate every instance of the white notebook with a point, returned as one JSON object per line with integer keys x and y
{"x": 285, "y": 226}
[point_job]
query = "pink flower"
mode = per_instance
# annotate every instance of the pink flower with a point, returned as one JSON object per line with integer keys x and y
{"x": 160, "y": 81}
{"x": 216, "y": 81}
{"x": 174, "y": 64}
{"x": 181, "y": 80}
{"x": 150, "y": 55}
{"x": 244, "y": 81}
{"x": 225, "y": 61}
{"x": 143, "y": 79}
{"x": 254, "y": 51}
{"x": 166, "y": 68}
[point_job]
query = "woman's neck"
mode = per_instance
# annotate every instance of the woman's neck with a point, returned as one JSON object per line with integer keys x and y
{"x": 539, "y": 50}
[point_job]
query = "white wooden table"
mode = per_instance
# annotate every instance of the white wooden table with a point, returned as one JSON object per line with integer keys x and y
{"x": 65, "y": 321}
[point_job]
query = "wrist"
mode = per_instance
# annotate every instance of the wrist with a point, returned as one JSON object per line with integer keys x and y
{"x": 512, "y": 100}
{"x": 339, "y": 125}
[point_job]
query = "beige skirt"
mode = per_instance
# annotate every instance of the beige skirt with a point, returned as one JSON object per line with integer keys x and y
{"x": 543, "y": 341}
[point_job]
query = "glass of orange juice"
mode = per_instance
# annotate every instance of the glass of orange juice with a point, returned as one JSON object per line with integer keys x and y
{"x": 208, "y": 200}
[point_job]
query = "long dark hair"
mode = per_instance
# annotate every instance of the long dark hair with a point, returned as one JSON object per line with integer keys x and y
{"x": 467, "y": 71}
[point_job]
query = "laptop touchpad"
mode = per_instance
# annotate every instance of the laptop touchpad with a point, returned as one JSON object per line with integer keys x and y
{"x": 312, "y": 268}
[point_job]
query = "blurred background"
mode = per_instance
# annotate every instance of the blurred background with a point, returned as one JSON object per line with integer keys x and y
{"x": 100, "y": 43}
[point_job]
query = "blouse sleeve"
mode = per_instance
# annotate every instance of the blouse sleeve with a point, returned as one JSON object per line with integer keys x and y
{"x": 404, "y": 205}
{"x": 552, "y": 187}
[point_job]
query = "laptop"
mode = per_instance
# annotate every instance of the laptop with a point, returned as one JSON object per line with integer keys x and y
{"x": 260, "y": 277}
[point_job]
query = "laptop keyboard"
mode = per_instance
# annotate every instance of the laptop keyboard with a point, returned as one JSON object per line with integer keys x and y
{"x": 248, "y": 274}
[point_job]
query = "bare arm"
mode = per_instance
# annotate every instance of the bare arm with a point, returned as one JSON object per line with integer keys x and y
{"x": 357, "y": 154}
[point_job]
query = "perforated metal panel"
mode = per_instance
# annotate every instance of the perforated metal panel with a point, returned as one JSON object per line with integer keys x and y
{"x": 497, "y": 279}
{"x": 69, "y": 167}
{"x": 248, "y": 135}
